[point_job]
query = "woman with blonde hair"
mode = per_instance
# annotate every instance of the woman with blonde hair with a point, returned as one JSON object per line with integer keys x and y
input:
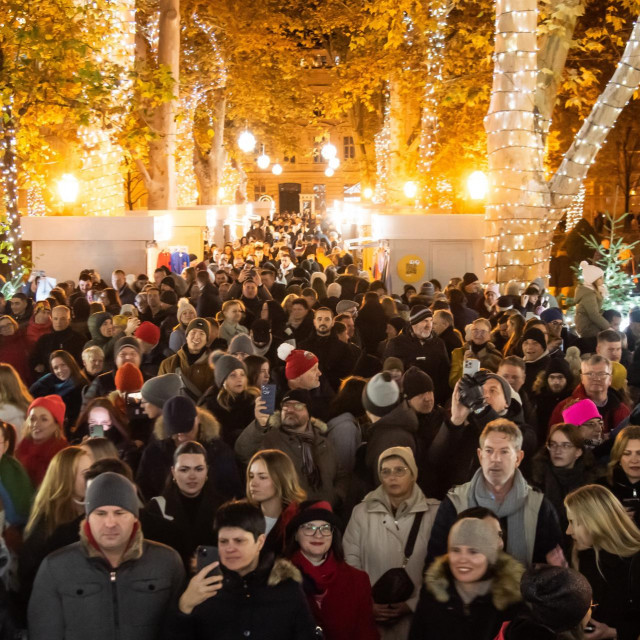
{"x": 232, "y": 311}
{"x": 274, "y": 486}
{"x": 623, "y": 471}
{"x": 606, "y": 551}
{"x": 59, "y": 500}
{"x": 14, "y": 397}
{"x": 42, "y": 435}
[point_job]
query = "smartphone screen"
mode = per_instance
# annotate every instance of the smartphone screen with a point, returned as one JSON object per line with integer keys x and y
{"x": 471, "y": 366}
{"x": 268, "y": 395}
{"x": 205, "y": 555}
{"x": 96, "y": 431}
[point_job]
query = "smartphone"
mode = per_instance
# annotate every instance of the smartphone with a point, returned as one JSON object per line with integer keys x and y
{"x": 589, "y": 628}
{"x": 631, "y": 503}
{"x": 205, "y": 555}
{"x": 136, "y": 396}
{"x": 471, "y": 366}
{"x": 268, "y": 396}
{"x": 96, "y": 431}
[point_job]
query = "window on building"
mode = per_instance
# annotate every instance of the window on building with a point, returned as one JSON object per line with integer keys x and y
{"x": 349, "y": 148}
{"x": 259, "y": 189}
{"x": 317, "y": 156}
{"x": 290, "y": 159}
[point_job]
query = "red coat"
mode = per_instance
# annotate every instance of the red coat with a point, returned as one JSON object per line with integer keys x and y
{"x": 14, "y": 350}
{"x": 35, "y": 458}
{"x": 344, "y": 607}
{"x": 613, "y": 413}
{"x": 35, "y": 331}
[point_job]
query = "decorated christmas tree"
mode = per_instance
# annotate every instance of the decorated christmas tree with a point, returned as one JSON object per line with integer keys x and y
{"x": 617, "y": 261}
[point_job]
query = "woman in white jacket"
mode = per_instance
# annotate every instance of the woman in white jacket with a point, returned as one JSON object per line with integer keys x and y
{"x": 378, "y": 531}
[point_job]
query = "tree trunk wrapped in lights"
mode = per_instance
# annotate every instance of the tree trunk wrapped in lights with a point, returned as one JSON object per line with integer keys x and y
{"x": 523, "y": 207}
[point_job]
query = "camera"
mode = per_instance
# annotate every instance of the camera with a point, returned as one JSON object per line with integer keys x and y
{"x": 471, "y": 392}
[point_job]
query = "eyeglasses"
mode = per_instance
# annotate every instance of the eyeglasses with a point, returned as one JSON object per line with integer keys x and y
{"x": 294, "y": 406}
{"x": 397, "y": 472}
{"x": 564, "y": 446}
{"x": 597, "y": 375}
{"x": 310, "y": 530}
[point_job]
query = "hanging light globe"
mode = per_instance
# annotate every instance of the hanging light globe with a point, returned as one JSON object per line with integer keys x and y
{"x": 263, "y": 161}
{"x": 277, "y": 169}
{"x": 368, "y": 193}
{"x": 334, "y": 163}
{"x": 410, "y": 189}
{"x": 478, "y": 185}
{"x": 247, "y": 141}
{"x": 328, "y": 151}
{"x": 68, "y": 188}
{"x": 329, "y": 172}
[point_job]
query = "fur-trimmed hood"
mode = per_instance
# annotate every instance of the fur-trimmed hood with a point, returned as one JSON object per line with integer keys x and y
{"x": 505, "y": 586}
{"x": 209, "y": 426}
{"x": 275, "y": 421}
{"x": 283, "y": 570}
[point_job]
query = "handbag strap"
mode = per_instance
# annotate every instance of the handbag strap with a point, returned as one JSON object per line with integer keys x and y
{"x": 413, "y": 536}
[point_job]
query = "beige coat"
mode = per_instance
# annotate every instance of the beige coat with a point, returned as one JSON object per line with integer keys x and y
{"x": 375, "y": 540}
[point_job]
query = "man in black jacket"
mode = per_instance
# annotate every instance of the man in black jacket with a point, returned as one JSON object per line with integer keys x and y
{"x": 119, "y": 283}
{"x": 62, "y": 337}
{"x": 335, "y": 357}
{"x": 209, "y": 302}
{"x": 418, "y": 345}
{"x": 444, "y": 329}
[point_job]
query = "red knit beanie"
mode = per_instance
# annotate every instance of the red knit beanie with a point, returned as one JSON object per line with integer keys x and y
{"x": 129, "y": 378}
{"x": 53, "y": 404}
{"x": 299, "y": 362}
{"x": 148, "y": 332}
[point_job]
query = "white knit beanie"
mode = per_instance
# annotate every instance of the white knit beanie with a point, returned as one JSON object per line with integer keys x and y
{"x": 590, "y": 273}
{"x": 334, "y": 290}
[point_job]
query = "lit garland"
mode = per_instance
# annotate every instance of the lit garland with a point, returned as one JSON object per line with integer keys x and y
{"x": 35, "y": 202}
{"x": 575, "y": 211}
{"x": 12, "y": 235}
{"x": 382, "y": 141}
{"x": 429, "y": 119}
{"x": 523, "y": 208}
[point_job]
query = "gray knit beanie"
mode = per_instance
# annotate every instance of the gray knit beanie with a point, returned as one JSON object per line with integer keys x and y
{"x": 126, "y": 341}
{"x": 161, "y": 388}
{"x": 241, "y": 343}
{"x": 224, "y": 364}
{"x": 476, "y": 533}
{"x": 381, "y": 394}
{"x": 111, "y": 490}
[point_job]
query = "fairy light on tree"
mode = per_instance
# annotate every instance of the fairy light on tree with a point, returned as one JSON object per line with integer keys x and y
{"x": 383, "y": 152}
{"x": 523, "y": 207}
{"x": 576, "y": 210}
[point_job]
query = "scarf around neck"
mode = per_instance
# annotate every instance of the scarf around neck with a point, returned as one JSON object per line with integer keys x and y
{"x": 305, "y": 440}
{"x": 322, "y": 575}
{"x": 512, "y": 508}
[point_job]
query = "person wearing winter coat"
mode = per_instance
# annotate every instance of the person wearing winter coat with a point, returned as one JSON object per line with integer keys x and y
{"x": 419, "y": 345}
{"x": 303, "y": 438}
{"x": 471, "y": 591}
{"x": 588, "y": 298}
{"x": 191, "y": 362}
{"x": 189, "y": 502}
{"x": 529, "y": 521}
{"x": 444, "y": 329}
{"x": 16, "y": 490}
{"x": 561, "y": 467}
{"x": 182, "y": 421}
{"x": 377, "y": 533}
{"x": 607, "y": 554}
{"x": 251, "y": 595}
{"x": 112, "y": 583}
{"x": 558, "y": 606}
{"x": 479, "y": 348}
{"x": 535, "y": 354}
{"x": 103, "y": 334}
{"x": 231, "y": 400}
{"x": 623, "y": 473}
{"x": 338, "y": 595}
{"x": 371, "y": 322}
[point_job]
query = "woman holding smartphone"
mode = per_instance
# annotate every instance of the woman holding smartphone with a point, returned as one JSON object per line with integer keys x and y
{"x": 606, "y": 551}
{"x": 231, "y": 400}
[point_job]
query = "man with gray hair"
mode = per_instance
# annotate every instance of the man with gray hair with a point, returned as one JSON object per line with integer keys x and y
{"x": 530, "y": 524}
{"x": 595, "y": 384}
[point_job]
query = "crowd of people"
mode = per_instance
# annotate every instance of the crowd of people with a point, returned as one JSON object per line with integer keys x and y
{"x": 270, "y": 444}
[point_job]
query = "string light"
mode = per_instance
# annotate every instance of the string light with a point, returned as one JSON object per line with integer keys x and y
{"x": 523, "y": 207}
{"x": 382, "y": 142}
{"x": 575, "y": 211}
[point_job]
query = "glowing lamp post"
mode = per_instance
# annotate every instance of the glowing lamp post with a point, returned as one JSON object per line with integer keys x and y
{"x": 367, "y": 193}
{"x": 68, "y": 188}
{"x": 477, "y": 185}
{"x": 276, "y": 169}
{"x": 263, "y": 161}
{"x": 410, "y": 189}
{"x": 329, "y": 172}
{"x": 328, "y": 151}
